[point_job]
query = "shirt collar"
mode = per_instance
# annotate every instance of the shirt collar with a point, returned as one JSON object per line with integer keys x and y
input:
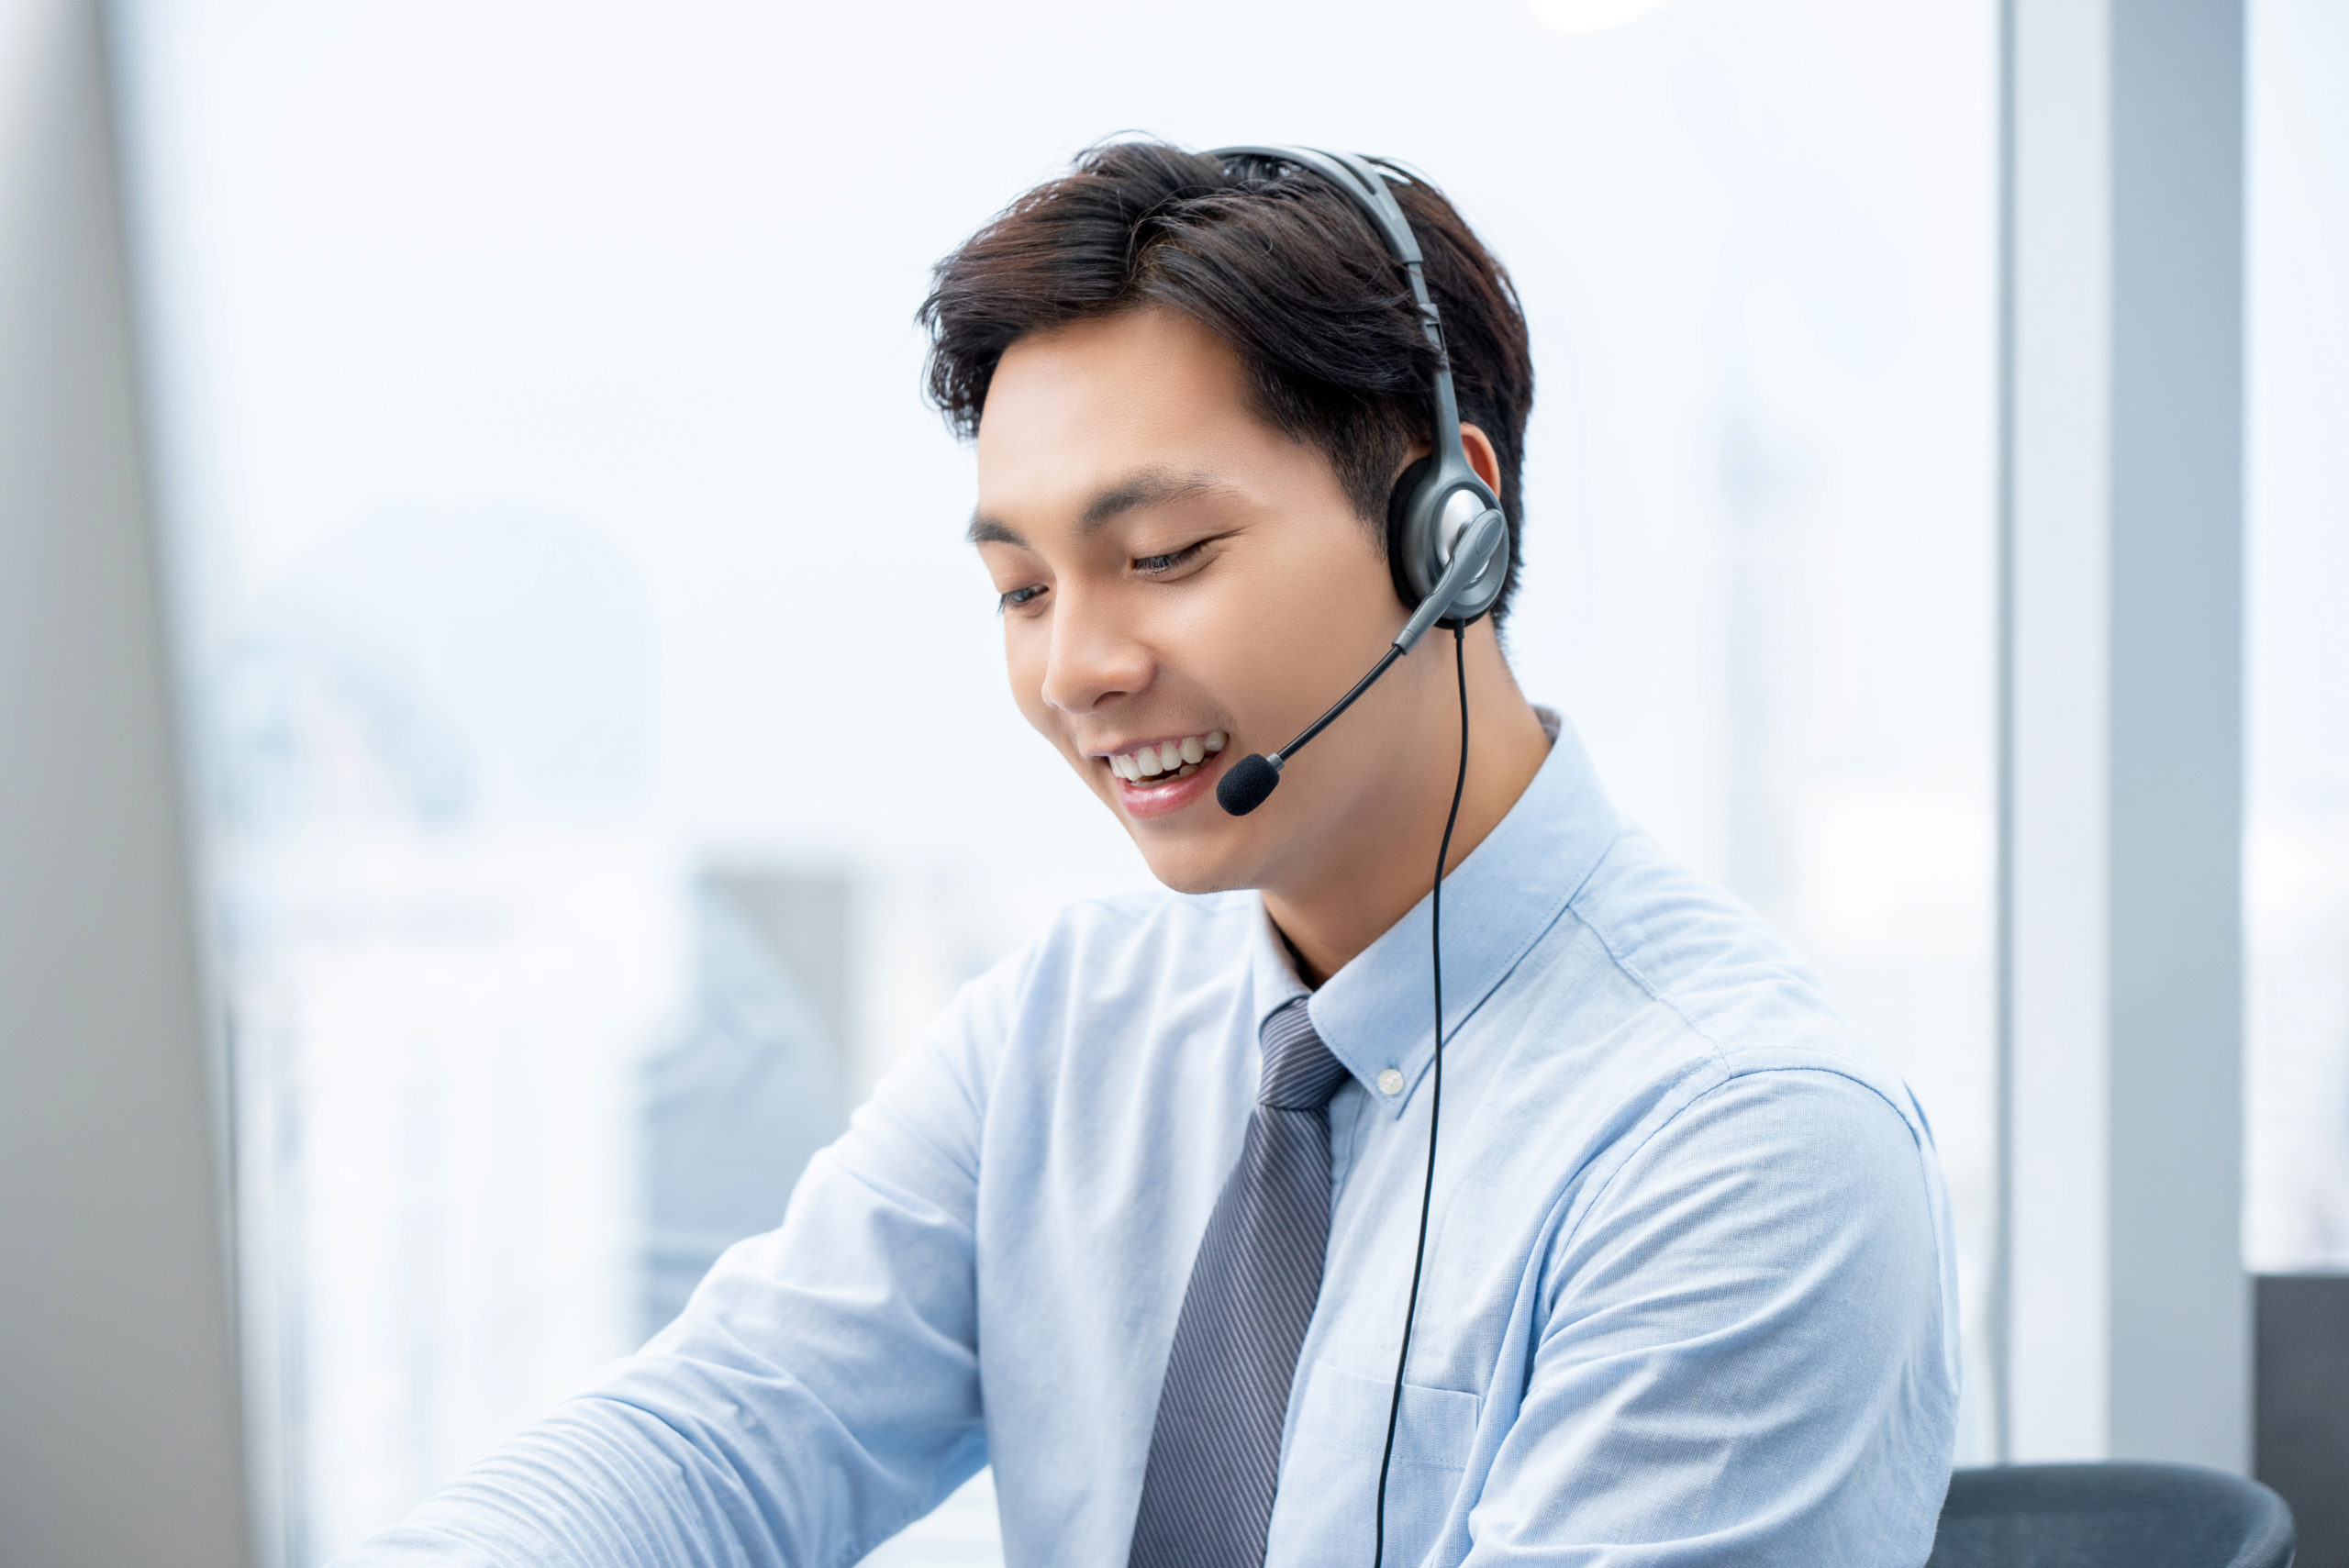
{"x": 1376, "y": 1015}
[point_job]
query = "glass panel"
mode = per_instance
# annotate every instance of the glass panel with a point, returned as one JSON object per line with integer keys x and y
{"x": 2296, "y": 865}
{"x": 611, "y": 765}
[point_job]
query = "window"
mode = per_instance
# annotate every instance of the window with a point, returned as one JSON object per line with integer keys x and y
{"x": 2296, "y": 862}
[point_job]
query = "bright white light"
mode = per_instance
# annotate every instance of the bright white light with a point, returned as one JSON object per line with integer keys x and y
{"x": 1592, "y": 15}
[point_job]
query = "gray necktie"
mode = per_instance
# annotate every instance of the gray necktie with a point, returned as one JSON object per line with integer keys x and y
{"x": 1207, "y": 1497}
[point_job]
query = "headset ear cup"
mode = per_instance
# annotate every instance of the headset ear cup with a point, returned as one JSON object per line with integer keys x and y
{"x": 1399, "y": 505}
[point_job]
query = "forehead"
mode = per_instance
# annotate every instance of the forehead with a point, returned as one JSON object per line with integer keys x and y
{"x": 1073, "y": 409}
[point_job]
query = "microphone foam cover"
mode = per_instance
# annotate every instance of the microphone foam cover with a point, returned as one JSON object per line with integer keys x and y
{"x": 1246, "y": 785}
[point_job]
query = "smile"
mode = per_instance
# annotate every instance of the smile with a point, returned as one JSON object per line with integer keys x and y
{"x": 1164, "y": 761}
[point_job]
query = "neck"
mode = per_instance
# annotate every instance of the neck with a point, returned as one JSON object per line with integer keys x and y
{"x": 1374, "y": 875}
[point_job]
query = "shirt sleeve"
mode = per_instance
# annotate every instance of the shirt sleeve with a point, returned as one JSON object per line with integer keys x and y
{"x": 1748, "y": 1357}
{"x": 819, "y": 1393}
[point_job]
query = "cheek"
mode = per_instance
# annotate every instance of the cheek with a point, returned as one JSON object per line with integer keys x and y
{"x": 1332, "y": 613}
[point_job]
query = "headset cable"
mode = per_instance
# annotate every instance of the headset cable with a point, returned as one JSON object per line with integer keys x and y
{"x": 1435, "y": 1096}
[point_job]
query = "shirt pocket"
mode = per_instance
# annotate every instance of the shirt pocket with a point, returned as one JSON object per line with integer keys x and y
{"x": 1330, "y": 1484}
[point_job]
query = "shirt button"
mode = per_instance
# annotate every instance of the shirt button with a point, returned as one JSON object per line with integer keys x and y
{"x": 1390, "y": 1083}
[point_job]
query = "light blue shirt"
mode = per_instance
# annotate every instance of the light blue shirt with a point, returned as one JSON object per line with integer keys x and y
{"x": 1690, "y": 1293}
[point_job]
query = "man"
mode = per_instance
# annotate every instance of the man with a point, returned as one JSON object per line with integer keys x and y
{"x": 1139, "y": 1220}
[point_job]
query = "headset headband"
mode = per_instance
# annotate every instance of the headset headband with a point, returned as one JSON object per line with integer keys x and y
{"x": 1362, "y": 180}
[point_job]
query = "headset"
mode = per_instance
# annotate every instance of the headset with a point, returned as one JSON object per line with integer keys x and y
{"x": 1447, "y": 545}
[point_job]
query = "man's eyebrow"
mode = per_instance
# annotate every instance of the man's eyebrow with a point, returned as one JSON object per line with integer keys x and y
{"x": 985, "y": 529}
{"x": 1147, "y": 487}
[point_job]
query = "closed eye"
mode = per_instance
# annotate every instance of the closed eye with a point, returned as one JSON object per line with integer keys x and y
{"x": 1173, "y": 561}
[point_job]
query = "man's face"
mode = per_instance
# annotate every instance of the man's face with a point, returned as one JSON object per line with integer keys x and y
{"x": 1177, "y": 572}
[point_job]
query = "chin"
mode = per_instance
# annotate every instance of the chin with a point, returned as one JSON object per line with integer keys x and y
{"x": 1196, "y": 867}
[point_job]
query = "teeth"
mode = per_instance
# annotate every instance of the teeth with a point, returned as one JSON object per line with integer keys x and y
{"x": 1168, "y": 759}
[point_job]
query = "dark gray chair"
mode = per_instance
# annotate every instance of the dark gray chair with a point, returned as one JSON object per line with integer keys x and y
{"x": 2111, "y": 1516}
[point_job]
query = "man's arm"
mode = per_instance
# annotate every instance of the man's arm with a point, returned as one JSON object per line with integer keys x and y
{"x": 1748, "y": 1358}
{"x": 819, "y": 1393}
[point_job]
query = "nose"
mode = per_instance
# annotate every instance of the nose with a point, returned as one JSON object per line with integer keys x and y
{"x": 1094, "y": 656}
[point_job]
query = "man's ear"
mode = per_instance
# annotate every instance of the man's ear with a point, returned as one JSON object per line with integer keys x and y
{"x": 1481, "y": 456}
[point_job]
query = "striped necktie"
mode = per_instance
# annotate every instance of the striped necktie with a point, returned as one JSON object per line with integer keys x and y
{"x": 1207, "y": 1497}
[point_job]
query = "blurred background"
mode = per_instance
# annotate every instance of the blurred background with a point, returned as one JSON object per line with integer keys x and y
{"x": 576, "y": 587}
{"x": 567, "y": 588}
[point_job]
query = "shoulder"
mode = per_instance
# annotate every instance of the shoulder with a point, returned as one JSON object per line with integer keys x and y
{"x": 1802, "y": 1131}
{"x": 1127, "y": 936}
{"x": 1114, "y": 951}
{"x": 1698, "y": 1063}
{"x": 1755, "y": 1114}
{"x": 1802, "y": 1194}
{"x": 1097, "y": 964}
{"x": 1786, "y": 1195}
{"x": 1713, "y": 976}
{"x": 1148, "y": 919}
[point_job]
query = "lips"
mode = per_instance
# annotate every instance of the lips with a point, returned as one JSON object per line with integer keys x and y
{"x": 1163, "y": 761}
